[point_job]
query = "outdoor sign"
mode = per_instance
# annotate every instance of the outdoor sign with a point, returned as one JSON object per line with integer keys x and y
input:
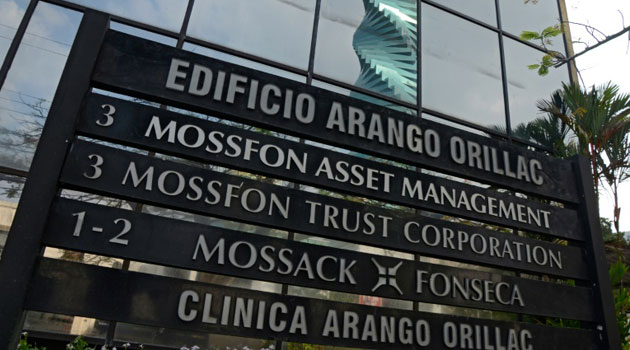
{"x": 426, "y": 205}
{"x": 204, "y": 84}
{"x": 115, "y": 232}
{"x": 254, "y": 152}
{"x": 181, "y": 304}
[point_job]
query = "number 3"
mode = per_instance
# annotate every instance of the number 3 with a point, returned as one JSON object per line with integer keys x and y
{"x": 96, "y": 166}
{"x": 109, "y": 115}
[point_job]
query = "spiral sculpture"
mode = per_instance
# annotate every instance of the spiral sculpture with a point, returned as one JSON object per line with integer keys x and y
{"x": 386, "y": 45}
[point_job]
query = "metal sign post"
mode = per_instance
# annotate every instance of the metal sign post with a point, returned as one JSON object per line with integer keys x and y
{"x": 23, "y": 244}
{"x": 607, "y": 324}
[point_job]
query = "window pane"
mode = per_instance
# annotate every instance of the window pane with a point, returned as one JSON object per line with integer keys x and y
{"x": 483, "y": 10}
{"x": 372, "y": 45}
{"x": 517, "y": 16}
{"x": 243, "y": 62}
{"x": 10, "y": 191}
{"x": 278, "y": 30}
{"x": 63, "y": 324}
{"x": 461, "y": 69}
{"x": 452, "y": 124}
{"x": 31, "y": 83}
{"x": 360, "y": 96}
{"x": 526, "y": 87}
{"x": 11, "y": 13}
{"x": 167, "y": 14}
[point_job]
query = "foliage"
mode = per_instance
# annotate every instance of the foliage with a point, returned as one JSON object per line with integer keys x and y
{"x": 595, "y": 116}
{"x": 556, "y": 59}
{"x": 621, "y": 298}
{"x": 599, "y": 118}
{"x": 549, "y": 59}
{"x": 560, "y": 322}
{"x": 549, "y": 132}
{"x": 607, "y": 232}
{"x": 616, "y": 170}
{"x": 23, "y": 344}
{"x": 78, "y": 344}
{"x": 302, "y": 346}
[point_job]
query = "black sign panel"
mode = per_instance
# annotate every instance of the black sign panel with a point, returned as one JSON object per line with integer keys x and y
{"x": 180, "y": 78}
{"x": 142, "y": 237}
{"x": 180, "y": 304}
{"x": 124, "y": 174}
{"x": 163, "y": 131}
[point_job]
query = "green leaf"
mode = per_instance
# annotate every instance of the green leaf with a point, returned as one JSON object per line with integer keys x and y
{"x": 546, "y": 60}
{"x": 551, "y": 31}
{"x": 544, "y": 70}
{"x": 617, "y": 271}
{"x": 533, "y": 66}
{"x": 528, "y": 35}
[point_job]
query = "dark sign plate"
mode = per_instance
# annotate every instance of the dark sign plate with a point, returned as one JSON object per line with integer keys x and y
{"x": 125, "y": 234}
{"x": 180, "y": 304}
{"x": 147, "y": 69}
{"x": 110, "y": 171}
{"x": 188, "y": 137}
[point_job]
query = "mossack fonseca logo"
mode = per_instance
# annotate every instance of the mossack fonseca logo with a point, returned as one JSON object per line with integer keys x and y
{"x": 272, "y": 100}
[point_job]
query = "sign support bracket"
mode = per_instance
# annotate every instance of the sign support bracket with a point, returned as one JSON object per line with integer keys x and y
{"x": 23, "y": 244}
{"x": 588, "y": 209}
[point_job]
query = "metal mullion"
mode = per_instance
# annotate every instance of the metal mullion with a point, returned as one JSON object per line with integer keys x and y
{"x": 311, "y": 57}
{"x": 504, "y": 81}
{"x": 67, "y": 5}
{"x": 17, "y": 39}
{"x": 416, "y": 305}
{"x": 566, "y": 40}
{"x": 309, "y": 81}
{"x": 184, "y": 29}
{"x": 530, "y": 44}
{"x": 418, "y": 58}
{"x": 144, "y": 26}
{"x": 497, "y": 29}
{"x": 13, "y": 171}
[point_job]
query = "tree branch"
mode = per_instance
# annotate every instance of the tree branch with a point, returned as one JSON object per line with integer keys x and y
{"x": 608, "y": 38}
{"x": 589, "y": 29}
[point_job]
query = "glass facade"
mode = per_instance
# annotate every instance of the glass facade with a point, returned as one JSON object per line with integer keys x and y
{"x": 445, "y": 60}
{"x": 370, "y": 44}
{"x": 279, "y": 31}
{"x": 11, "y": 14}
{"x": 462, "y": 68}
{"x": 517, "y": 16}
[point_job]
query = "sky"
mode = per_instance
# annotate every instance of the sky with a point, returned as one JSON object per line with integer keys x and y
{"x": 609, "y": 62}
